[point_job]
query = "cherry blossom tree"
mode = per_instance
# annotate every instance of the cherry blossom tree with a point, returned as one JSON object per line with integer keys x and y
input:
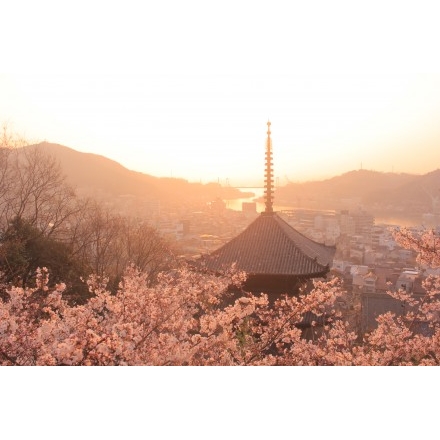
{"x": 192, "y": 318}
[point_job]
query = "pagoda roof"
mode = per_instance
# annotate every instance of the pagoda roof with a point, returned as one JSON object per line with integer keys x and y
{"x": 270, "y": 246}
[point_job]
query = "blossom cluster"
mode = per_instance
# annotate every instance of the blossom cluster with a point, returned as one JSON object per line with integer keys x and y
{"x": 192, "y": 318}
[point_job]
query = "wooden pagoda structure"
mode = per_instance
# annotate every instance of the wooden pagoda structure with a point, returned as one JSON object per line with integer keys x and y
{"x": 276, "y": 257}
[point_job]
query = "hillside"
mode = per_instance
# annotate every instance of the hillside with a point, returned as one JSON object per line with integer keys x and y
{"x": 373, "y": 190}
{"x": 94, "y": 174}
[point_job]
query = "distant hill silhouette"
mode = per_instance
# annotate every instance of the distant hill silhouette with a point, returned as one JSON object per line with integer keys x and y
{"x": 93, "y": 173}
{"x": 374, "y": 190}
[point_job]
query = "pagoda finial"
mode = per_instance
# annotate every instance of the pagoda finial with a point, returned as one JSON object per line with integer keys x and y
{"x": 268, "y": 182}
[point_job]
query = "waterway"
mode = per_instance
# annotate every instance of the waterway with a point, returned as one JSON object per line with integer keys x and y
{"x": 236, "y": 204}
{"x": 400, "y": 219}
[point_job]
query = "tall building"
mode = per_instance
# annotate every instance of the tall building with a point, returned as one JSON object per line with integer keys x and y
{"x": 276, "y": 257}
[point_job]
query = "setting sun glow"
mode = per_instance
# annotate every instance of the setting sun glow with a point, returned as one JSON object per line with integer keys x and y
{"x": 185, "y": 90}
{"x": 212, "y": 128}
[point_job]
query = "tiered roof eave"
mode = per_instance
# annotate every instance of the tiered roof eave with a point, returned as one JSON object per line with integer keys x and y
{"x": 270, "y": 246}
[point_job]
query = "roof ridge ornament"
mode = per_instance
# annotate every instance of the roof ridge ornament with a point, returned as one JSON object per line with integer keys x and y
{"x": 268, "y": 182}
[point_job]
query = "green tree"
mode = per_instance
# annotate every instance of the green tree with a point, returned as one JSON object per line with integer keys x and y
{"x": 24, "y": 248}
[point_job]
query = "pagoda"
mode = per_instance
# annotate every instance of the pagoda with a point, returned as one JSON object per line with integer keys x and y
{"x": 276, "y": 257}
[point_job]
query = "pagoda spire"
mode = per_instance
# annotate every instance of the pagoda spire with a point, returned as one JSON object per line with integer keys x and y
{"x": 268, "y": 181}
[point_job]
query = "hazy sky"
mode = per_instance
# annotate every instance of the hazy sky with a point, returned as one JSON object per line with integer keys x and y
{"x": 185, "y": 89}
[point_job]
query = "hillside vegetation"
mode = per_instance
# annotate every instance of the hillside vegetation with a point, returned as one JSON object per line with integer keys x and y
{"x": 372, "y": 189}
{"x": 97, "y": 174}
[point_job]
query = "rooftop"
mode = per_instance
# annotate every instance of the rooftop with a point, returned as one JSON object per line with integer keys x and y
{"x": 270, "y": 246}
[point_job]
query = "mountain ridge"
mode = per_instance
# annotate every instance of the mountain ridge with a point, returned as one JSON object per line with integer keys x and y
{"x": 372, "y": 190}
{"x": 90, "y": 172}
